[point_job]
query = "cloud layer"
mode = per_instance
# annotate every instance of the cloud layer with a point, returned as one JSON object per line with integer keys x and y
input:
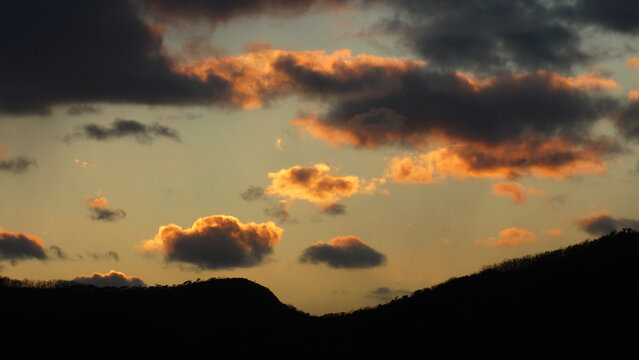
{"x": 216, "y": 242}
{"x": 348, "y": 252}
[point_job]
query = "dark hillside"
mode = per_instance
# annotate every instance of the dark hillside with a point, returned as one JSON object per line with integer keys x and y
{"x": 580, "y": 301}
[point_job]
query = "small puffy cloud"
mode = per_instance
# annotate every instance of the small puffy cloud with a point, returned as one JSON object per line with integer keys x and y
{"x": 632, "y": 62}
{"x": 111, "y": 279}
{"x": 334, "y": 209}
{"x": 316, "y": 184}
{"x": 122, "y": 128}
{"x": 517, "y": 191}
{"x": 633, "y": 95}
{"x": 83, "y": 109}
{"x": 385, "y": 294}
{"x": 603, "y": 223}
{"x": 80, "y": 163}
{"x": 100, "y": 210}
{"x": 509, "y": 237}
{"x": 347, "y": 252}
{"x": 554, "y": 233}
{"x": 279, "y": 211}
{"x": 215, "y": 242}
{"x": 278, "y": 144}
{"x": 16, "y": 165}
{"x": 16, "y": 246}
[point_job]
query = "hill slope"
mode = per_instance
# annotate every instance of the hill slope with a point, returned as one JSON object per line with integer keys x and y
{"x": 578, "y": 301}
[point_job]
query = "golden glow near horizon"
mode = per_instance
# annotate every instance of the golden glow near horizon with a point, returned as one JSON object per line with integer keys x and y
{"x": 323, "y": 155}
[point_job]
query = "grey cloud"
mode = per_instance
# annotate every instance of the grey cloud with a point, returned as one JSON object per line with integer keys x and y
{"x": 253, "y": 193}
{"x": 18, "y": 164}
{"x": 110, "y": 279}
{"x": 386, "y": 294}
{"x": 122, "y": 128}
{"x": 83, "y": 109}
{"x": 107, "y": 214}
{"x": 334, "y": 209}
{"x": 603, "y": 223}
{"x": 16, "y": 246}
{"x": 347, "y": 252}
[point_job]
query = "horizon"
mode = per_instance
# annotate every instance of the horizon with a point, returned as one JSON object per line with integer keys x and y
{"x": 338, "y": 152}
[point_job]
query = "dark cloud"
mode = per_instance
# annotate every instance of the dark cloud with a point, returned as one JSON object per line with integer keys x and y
{"x": 100, "y": 210}
{"x": 216, "y": 11}
{"x": 386, "y": 294}
{"x": 502, "y": 35}
{"x": 603, "y": 223}
{"x": 121, "y": 128}
{"x": 111, "y": 279}
{"x": 16, "y": 246}
{"x": 103, "y": 256}
{"x": 18, "y": 164}
{"x": 83, "y": 109}
{"x": 253, "y": 193}
{"x": 57, "y": 253}
{"x": 348, "y": 252}
{"x": 279, "y": 211}
{"x": 628, "y": 121}
{"x": 216, "y": 242}
{"x": 334, "y": 209}
{"x": 72, "y": 51}
{"x": 499, "y": 109}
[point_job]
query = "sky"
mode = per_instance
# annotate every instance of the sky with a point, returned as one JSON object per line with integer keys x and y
{"x": 339, "y": 152}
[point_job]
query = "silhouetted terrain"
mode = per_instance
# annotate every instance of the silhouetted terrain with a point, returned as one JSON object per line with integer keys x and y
{"x": 580, "y": 301}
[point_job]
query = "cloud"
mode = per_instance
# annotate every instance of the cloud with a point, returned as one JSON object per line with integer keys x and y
{"x": 603, "y": 223}
{"x": 312, "y": 183}
{"x": 100, "y": 210}
{"x": 632, "y": 62}
{"x": 385, "y": 294}
{"x": 334, "y": 209}
{"x": 103, "y": 256}
{"x": 516, "y": 191}
{"x": 506, "y": 35}
{"x": 111, "y": 279}
{"x": 16, "y": 165}
{"x": 80, "y": 67}
{"x": 121, "y": 128}
{"x": 16, "y": 246}
{"x": 557, "y": 198}
{"x": 259, "y": 77}
{"x": 554, "y": 233}
{"x": 216, "y": 242}
{"x": 430, "y": 107}
{"x": 253, "y": 193}
{"x": 221, "y": 11}
{"x": 509, "y": 237}
{"x": 347, "y": 252}
{"x": 82, "y": 109}
{"x": 556, "y": 158}
{"x": 627, "y": 119}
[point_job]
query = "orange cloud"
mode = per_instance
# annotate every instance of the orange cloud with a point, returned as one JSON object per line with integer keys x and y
{"x": 590, "y": 81}
{"x": 633, "y": 95}
{"x": 632, "y": 62}
{"x": 516, "y": 191}
{"x": 215, "y": 242}
{"x": 317, "y": 184}
{"x": 554, "y": 233}
{"x": 557, "y": 158}
{"x": 264, "y": 73}
{"x": 15, "y": 246}
{"x": 509, "y": 237}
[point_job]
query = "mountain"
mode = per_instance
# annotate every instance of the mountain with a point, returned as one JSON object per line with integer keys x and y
{"x": 580, "y": 301}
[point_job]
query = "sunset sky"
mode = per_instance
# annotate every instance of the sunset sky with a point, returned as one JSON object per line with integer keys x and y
{"x": 338, "y": 152}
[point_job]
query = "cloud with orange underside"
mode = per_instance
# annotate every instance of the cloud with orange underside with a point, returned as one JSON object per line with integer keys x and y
{"x": 317, "y": 184}
{"x": 557, "y": 158}
{"x": 516, "y": 191}
{"x": 16, "y": 246}
{"x": 215, "y": 242}
{"x": 258, "y": 77}
{"x": 509, "y": 237}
